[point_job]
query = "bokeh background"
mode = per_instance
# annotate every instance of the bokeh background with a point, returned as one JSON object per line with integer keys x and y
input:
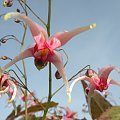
{"x": 98, "y": 47}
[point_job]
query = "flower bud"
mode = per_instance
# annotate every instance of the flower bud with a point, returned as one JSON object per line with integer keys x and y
{"x": 57, "y": 75}
{"x": 4, "y": 57}
{"x": 7, "y": 3}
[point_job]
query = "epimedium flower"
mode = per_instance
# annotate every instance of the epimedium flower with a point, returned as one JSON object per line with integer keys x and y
{"x": 7, "y": 86}
{"x": 44, "y": 48}
{"x": 97, "y": 81}
{"x": 100, "y": 81}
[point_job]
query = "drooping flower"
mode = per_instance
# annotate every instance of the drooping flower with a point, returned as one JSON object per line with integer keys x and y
{"x": 44, "y": 48}
{"x": 7, "y": 86}
{"x": 100, "y": 81}
{"x": 7, "y": 3}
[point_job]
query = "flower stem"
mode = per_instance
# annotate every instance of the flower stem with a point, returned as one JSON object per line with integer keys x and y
{"x": 34, "y": 13}
{"x": 25, "y": 76}
{"x": 50, "y": 71}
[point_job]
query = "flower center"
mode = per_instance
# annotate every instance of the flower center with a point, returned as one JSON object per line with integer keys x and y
{"x": 44, "y": 52}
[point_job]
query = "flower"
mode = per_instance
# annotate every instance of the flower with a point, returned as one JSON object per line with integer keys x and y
{"x": 69, "y": 115}
{"x": 7, "y": 86}
{"x": 44, "y": 48}
{"x": 99, "y": 81}
{"x": 7, "y": 3}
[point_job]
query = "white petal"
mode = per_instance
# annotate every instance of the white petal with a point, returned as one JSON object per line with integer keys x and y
{"x": 14, "y": 92}
{"x": 79, "y": 79}
{"x": 5, "y": 90}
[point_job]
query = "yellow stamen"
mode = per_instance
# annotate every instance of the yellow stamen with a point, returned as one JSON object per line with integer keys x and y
{"x": 5, "y": 4}
{"x": 69, "y": 98}
{"x": 7, "y": 16}
{"x": 92, "y": 26}
{"x": 44, "y": 52}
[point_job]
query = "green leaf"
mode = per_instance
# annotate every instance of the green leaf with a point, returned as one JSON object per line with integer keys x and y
{"x": 39, "y": 107}
{"x": 31, "y": 117}
{"x": 98, "y": 103}
{"x": 33, "y": 109}
{"x": 112, "y": 113}
{"x": 12, "y": 114}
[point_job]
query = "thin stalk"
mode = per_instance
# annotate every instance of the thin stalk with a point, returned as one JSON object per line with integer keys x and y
{"x": 71, "y": 79}
{"x": 65, "y": 55}
{"x": 25, "y": 87}
{"x": 34, "y": 13}
{"x": 50, "y": 70}
{"x": 24, "y": 68}
{"x": 21, "y": 5}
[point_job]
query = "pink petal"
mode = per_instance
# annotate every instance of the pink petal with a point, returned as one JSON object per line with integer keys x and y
{"x": 53, "y": 43}
{"x": 104, "y": 72}
{"x": 64, "y": 37}
{"x": 25, "y": 54}
{"x": 34, "y": 27}
{"x": 4, "y": 78}
{"x": 40, "y": 41}
{"x": 56, "y": 59}
{"x": 114, "y": 82}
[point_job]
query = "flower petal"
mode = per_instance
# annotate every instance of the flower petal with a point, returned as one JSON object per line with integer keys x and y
{"x": 4, "y": 78}
{"x": 40, "y": 41}
{"x": 5, "y": 90}
{"x": 14, "y": 92}
{"x": 64, "y": 37}
{"x": 22, "y": 55}
{"x": 56, "y": 59}
{"x": 34, "y": 27}
{"x": 79, "y": 79}
{"x": 53, "y": 43}
{"x": 114, "y": 82}
{"x": 105, "y": 71}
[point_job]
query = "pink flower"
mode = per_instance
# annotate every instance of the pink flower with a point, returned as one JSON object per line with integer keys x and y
{"x": 44, "y": 48}
{"x": 69, "y": 115}
{"x": 99, "y": 81}
{"x": 7, "y": 86}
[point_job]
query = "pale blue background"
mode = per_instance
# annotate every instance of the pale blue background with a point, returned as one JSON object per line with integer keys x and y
{"x": 97, "y": 47}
